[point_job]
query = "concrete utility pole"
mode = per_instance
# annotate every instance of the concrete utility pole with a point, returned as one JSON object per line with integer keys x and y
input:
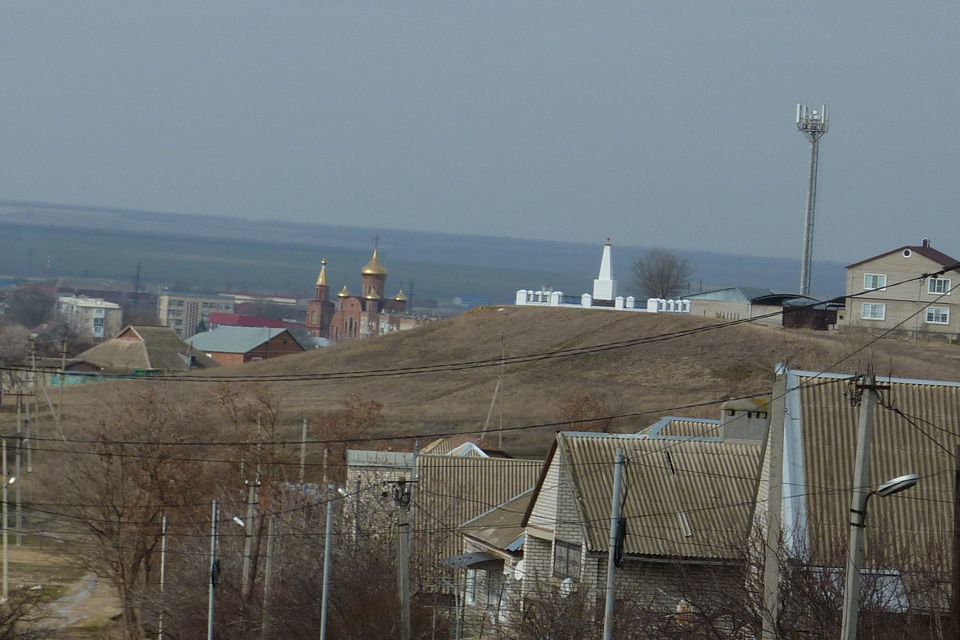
{"x": 18, "y": 496}
{"x": 265, "y": 623}
{"x": 63, "y": 376}
{"x": 6, "y": 555}
{"x": 303, "y": 449}
{"x": 214, "y": 568}
{"x": 327, "y": 564}
{"x": 163, "y": 573}
{"x": 774, "y": 522}
{"x": 401, "y": 498}
{"x": 616, "y": 504}
{"x": 813, "y": 124}
{"x": 954, "y": 629}
{"x": 858, "y": 507}
{"x": 246, "y": 581}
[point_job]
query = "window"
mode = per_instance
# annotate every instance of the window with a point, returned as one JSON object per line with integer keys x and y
{"x": 938, "y": 315}
{"x": 938, "y": 285}
{"x": 470, "y": 588}
{"x": 566, "y": 560}
{"x": 873, "y": 311}
{"x": 494, "y": 587}
{"x": 874, "y": 281}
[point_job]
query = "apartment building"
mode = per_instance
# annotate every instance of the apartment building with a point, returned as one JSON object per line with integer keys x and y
{"x": 91, "y": 317}
{"x": 183, "y": 312}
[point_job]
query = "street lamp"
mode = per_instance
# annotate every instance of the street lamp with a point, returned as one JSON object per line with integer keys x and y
{"x": 858, "y": 522}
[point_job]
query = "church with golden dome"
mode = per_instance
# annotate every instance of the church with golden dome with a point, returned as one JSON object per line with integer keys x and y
{"x": 353, "y": 317}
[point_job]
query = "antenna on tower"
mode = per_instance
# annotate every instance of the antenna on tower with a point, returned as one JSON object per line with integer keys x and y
{"x": 813, "y": 124}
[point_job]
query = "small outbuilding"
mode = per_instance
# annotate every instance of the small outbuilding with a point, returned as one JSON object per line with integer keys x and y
{"x": 236, "y": 345}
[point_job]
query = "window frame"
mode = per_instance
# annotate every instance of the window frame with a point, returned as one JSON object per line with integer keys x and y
{"x": 881, "y": 277}
{"x": 566, "y": 557}
{"x": 883, "y": 311}
{"x": 945, "y": 313}
{"x": 932, "y": 281}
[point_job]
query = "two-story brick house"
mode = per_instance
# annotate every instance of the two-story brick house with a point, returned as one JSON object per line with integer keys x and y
{"x": 918, "y": 306}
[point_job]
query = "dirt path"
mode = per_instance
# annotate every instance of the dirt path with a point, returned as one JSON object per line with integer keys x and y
{"x": 89, "y": 602}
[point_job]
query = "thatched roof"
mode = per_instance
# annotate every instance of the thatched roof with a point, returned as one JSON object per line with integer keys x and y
{"x": 145, "y": 348}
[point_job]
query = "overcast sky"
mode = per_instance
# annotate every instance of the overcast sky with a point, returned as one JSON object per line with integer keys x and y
{"x": 667, "y": 123}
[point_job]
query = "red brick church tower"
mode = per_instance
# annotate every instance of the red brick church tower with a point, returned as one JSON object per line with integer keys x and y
{"x": 320, "y": 310}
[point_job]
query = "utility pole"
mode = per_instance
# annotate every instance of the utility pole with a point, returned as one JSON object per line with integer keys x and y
{"x": 401, "y": 498}
{"x": 214, "y": 568}
{"x": 17, "y": 492}
{"x": 303, "y": 449}
{"x": 246, "y": 583}
{"x": 813, "y": 124}
{"x": 163, "y": 572}
{"x": 17, "y": 468}
{"x": 327, "y": 565}
{"x": 265, "y": 623}
{"x": 616, "y": 504}
{"x": 774, "y": 522}
{"x": 955, "y": 583}
{"x": 63, "y": 376}
{"x": 858, "y": 506}
{"x": 6, "y": 549}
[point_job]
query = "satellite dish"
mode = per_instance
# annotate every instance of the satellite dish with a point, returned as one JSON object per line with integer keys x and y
{"x": 566, "y": 587}
{"x": 518, "y": 571}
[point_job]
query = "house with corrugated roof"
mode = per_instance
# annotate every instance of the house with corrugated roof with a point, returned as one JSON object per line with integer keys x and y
{"x": 139, "y": 349}
{"x": 456, "y": 483}
{"x": 688, "y": 503}
{"x": 230, "y": 346}
{"x": 808, "y": 473}
{"x": 887, "y": 292}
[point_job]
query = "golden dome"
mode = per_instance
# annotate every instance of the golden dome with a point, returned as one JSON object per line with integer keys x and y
{"x": 375, "y": 267}
{"x": 344, "y": 293}
{"x": 401, "y": 296}
{"x": 322, "y": 278}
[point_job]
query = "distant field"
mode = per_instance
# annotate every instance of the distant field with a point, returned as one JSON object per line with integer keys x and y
{"x": 212, "y": 252}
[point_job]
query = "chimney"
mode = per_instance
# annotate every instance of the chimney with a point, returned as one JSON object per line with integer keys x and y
{"x": 926, "y": 243}
{"x": 744, "y": 420}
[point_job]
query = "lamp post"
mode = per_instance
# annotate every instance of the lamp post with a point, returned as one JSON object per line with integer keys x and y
{"x": 858, "y": 521}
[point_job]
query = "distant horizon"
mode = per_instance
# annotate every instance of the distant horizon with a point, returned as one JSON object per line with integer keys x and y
{"x": 64, "y": 206}
{"x": 219, "y": 252}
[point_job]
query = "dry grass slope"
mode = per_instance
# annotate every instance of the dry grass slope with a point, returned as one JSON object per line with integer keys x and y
{"x": 654, "y": 378}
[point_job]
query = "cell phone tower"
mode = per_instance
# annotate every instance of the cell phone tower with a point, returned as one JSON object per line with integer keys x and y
{"x": 813, "y": 124}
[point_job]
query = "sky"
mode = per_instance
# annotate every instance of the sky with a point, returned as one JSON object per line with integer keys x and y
{"x": 657, "y": 123}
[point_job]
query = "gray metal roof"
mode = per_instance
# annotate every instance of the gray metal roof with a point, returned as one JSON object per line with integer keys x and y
{"x": 501, "y": 527}
{"x": 684, "y": 427}
{"x": 233, "y": 339}
{"x": 453, "y": 490}
{"x": 820, "y": 443}
{"x": 683, "y": 498}
{"x": 731, "y": 294}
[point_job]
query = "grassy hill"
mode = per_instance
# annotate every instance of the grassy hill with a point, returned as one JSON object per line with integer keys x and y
{"x": 653, "y": 378}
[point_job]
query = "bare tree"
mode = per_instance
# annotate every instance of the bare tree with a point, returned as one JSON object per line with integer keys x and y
{"x": 661, "y": 274}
